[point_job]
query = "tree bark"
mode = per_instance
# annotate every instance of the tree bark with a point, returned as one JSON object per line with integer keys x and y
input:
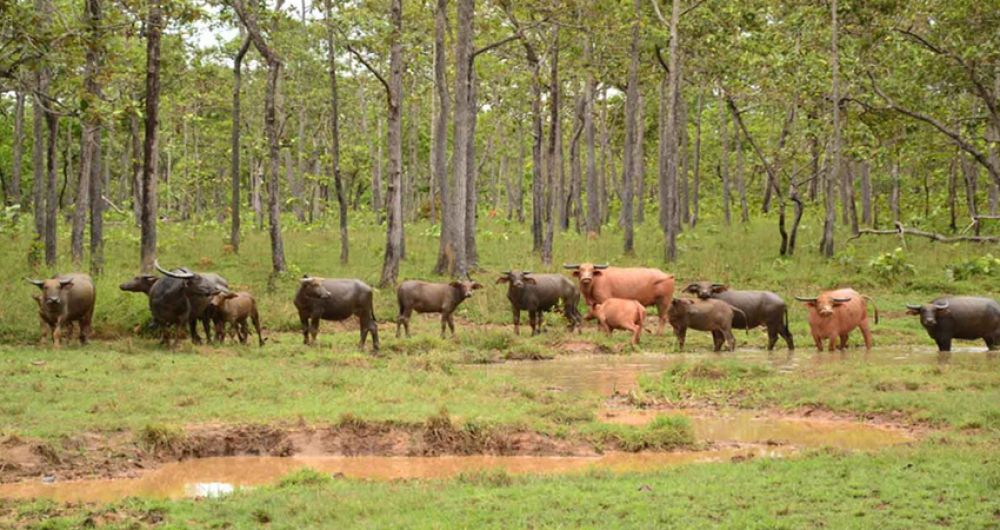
{"x": 271, "y": 131}
{"x": 82, "y": 203}
{"x": 952, "y": 192}
{"x": 472, "y": 172}
{"x": 639, "y": 161}
{"x": 394, "y": 230}
{"x": 741, "y": 186}
{"x": 554, "y": 151}
{"x": 895, "y": 195}
{"x": 631, "y": 127}
{"x": 670, "y": 229}
{"x": 234, "y": 160}
{"x": 683, "y": 190}
{"x": 827, "y": 244}
{"x": 147, "y": 245}
{"x": 575, "y": 200}
{"x": 593, "y": 186}
{"x": 38, "y": 187}
{"x": 439, "y": 142}
{"x": 696, "y": 170}
{"x": 17, "y": 150}
{"x": 866, "y": 193}
{"x": 970, "y": 172}
{"x": 338, "y": 184}
{"x": 724, "y": 162}
{"x": 52, "y": 201}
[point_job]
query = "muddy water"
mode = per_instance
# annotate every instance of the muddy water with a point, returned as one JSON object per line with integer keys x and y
{"x": 209, "y": 477}
{"x": 760, "y": 428}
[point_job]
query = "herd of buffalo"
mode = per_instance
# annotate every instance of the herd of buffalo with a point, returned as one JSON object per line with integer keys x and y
{"x": 616, "y": 297}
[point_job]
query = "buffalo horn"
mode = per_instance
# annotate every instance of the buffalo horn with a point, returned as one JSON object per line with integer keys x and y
{"x": 525, "y": 272}
{"x": 571, "y": 266}
{"x": 692, "y": 288}
{"x": 305, "y": 279}
{"x": 842, "y": 300}
{"x": 183, "y": 276}
{"x": 65, "y": 282}
{"x": 601, "y": 267}
{"x": 39, "y": 283}
{"x": 717, "y": 285}
{"x": 804, "y": 299}
{"x": 913, "y": 307}
{"x": 942, "y": 305}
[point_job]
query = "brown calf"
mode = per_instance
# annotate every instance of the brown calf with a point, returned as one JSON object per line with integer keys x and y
{"x": 618, "y": 313}
{"x": 835, "y": 314}
{"x": 234, "y": 309}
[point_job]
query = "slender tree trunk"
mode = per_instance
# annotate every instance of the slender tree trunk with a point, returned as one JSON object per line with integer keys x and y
{"x": 234, "y": 160}
{"x": 894, "y": 197}
{"x": 639, "y": 161}
{"x": 472, "y": 172}
{"x": 866, "y": 193}
{"x": 378, "y": 202}
{"x": 52, "y": 202}
{"x": 670, "y": 235}
{"x": 555, "y": 150}
{"x": 593, "y": 186}
{"x": 82, "y": 203}
{"x": 439, "y": 142}
{"x": 606, "y": 162}
{"x": 696, "y": 175}
{"x": 683, "y": 191}
{"x": 98, "y": 188}
{"x": 952, "y": 193}
{"x": 827, "y": 245}
{"x": 338, "y": 184}
{"x": 575, "y": 199}
{"x": 394, "y": 230}
{"x": 134, "y": 167}
{"x": 519, "y": 176}
{"x": 38, "y": 186}
{"x": 92, "y": 121}
{"x": 147, "y": 245}
{"x": 970, "y": 172}
{"x": 742, "y": 188}
{"x": 814, "y": 161}
{"x": 631, "y": 127}
{"x": 17, "y": 149}
{"x": 724, "y": 162}
{"x": 663, "y": 149}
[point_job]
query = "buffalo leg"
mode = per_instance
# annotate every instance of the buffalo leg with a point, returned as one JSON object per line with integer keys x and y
{"x": 57, "y": 332}
{"x": 242, "y": 330}
{"x": 718, "y": 339}
{"x": 220, "y": 331}
{"x": 681, "y": 333}
{"x": 787, "y": 335}
{"x": 843, "y": 341}
{"x": 193, "y": 325}
{"x": 85, "y": 326}
{"x": 944, "y": 343}
{"x": 991, "y": 343}
{"x": 867, "y": 333}
{"x": 305, "y": 329}
{"x": 730, "y": 338}
{"x": 403, "y": 320}
{"x": 833, "y": 343}
{"x": 532, "y": 322}
{"x": 313, "y": 329}
{"x": 205, "y": 324}
{"x": 661, "y": 309}
{"x": 451, "y": 323}
{"x": 372, "y": 327}
{"x": 636, "y": 333}
{"x": 819, "y": 342}
{"x": 517, "y": 321}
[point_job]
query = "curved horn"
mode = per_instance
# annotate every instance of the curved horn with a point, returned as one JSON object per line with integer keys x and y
{"x": 691, "y": 288}
{"x": 185, "y": 276}
{"x": 714, "y": 285}
{"x": 804, "y": 299}
{"x": 525, "y": 272}
{"x": 38, "y": 283}
{"x": 601, "y": 267}
{"x": 942, "y": 305}
{"x": 842, "y": 300}
{"x": 913, "y": 307}
{"x": 65, "y": 282}
{"x": 305, "y": 278}
{"x": 571, "y": 266}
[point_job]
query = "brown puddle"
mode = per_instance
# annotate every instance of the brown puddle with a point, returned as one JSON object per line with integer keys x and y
{"x": 754, "y": 427}
{"x": 210, "y": 477}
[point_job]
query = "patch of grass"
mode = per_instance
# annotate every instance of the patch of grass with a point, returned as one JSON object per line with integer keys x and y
{"x": 157, "y": 438}
{"x": 304, "y": 477}
{"x": 664, "y": 433}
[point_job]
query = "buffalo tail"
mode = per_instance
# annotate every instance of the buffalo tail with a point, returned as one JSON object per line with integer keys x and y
{"x": 872, "y": 300}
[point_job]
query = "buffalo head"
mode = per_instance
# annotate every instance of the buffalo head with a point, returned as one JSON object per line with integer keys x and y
{"x": 194, "y": 283}
{"x": 313, "y": 287}
{"x": 705, "y": 290}
{"x": 929, "y": 313}
{"x": 586, "y": 272}
{"x": 466, "y": 287}
{"x": 52, "y": 291}
{"x": 140, "y": 284}
{"x": 824, "y": 304}
{"x": 517, "y": 279}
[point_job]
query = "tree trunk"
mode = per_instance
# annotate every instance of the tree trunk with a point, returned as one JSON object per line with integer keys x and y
{"x": 378, "y": 203}
{"x": 82, "y": 204}
{"x": 92, "y": 135}
{"x": 338, "y": 184}
{"x": 135, "y": 165}
{"x": 519, "y": 175}
{"x": 670, "y": 230}
{"x": 472, "y": 171}
{"x": 555, "y": 150}
{"x": 724, "y": 163}
{"x": 866, "y": 193}
{"x": 394, "y": 230}
{"x": 606, "y": 162}
{"x": 827, "y": 245}
{"x": 639, "y": 161}
{"x": 814, "y": 160}
{"x": 741, "y": 187}
{"x": 154, "y": 30}
{"x": 439, "y": 142}
{"x": 98, "y": 187}
{"x": 593, "y": 186}
{"x": 38, "y": 187}
{"x": 14, "y": 193}
{"x": 696, "y": 175}
{"x": 234, "y": 160}
{"x": 894, "y": 197}
{"x": 52, "y": 202}
{"x": 271, "y": 132}
{"x": 575, "y": 199}
{"x": 852, "y": 208}
{"x": 683, "y": 192}
{"x": 970, "y": 172}
{"x": 631, "y": 126}
{"x": 952, "y": 193}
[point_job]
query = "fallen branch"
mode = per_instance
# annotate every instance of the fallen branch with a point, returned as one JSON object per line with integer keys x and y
{"x": 902, "y": 231}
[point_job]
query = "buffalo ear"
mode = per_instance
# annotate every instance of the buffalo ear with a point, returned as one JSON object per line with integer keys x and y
{"x": 720, "y": 288}
{"x": 229, "y": 295}
{"x": 456, "y": 284}
{"x": 477, "y": 285}
{"x": 912, "y": 311}
{"x": 576, "y": 273}
{"x": 598, "y": 272}
{"x": 944, "y": 311}
{"x": 692, "y": 288}
{"x": 503, "y": 279}
{"x": 66, "y": 283}
{"x": 530, "y": 280}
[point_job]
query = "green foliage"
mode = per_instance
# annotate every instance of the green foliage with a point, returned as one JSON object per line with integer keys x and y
{"x": 891, "y": 266}
{"x": 974, "y": 268}
{"x": 664, "y": 433}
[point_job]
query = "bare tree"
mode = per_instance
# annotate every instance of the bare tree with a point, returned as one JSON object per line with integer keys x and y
{"x": 271, "y": 131}
{"x": 439, "y": 142}
{"x": 17, "y": 150}
{"x": 593, "y": 186}
{"x": 826, "y": 245}
{"x": 338, "y": 184}
{"x": 234, "y": 160}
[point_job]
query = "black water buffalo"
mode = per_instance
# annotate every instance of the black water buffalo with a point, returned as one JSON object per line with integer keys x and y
{"x": 140, "y": 284}
{"x": 334, "y": 299}
{"x": 538, "y": 293}
{"x": 426, "y": 297}
{"x": 960, "y": 317}
{"x": 762, "y": 308}
{"x": 180, "y": 298}
{"x": 65, "y": 299}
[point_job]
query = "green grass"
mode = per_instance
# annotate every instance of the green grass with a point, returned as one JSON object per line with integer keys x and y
{"x": 927, "y": 486}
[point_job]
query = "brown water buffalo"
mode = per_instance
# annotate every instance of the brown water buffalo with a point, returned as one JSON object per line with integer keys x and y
{"x": 762, "y": 308}
{"x": 140, "y": 284}
{"x": 960, "y": 317}
{"x": 234, "y": 309}
{"x": 335, "y": 299}
{"x": 646, "y": 286}
{"x": 538, "y": 293}
{"x": 65, "y": 299}
{"x": 180, "y": 298}
{"x": 426, "y": 297}
{"x": 710, "y": 315}
{"x": 835, "y": 314}
{"x": 619, "y": 313}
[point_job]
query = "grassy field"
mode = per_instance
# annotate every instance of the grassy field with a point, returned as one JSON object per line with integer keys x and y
{"x": 124, "y": 384}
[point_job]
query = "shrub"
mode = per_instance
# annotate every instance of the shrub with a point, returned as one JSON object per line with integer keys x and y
{"x": 973, "y": 268}
{"x": 891, "y": 266}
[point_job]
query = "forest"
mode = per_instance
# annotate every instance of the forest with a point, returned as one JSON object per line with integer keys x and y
{"x": 794, "y": 147}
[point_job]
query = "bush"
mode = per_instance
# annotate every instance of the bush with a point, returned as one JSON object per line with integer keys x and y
{"x": 973, "y": 268}
{"x": 891, "y": 266}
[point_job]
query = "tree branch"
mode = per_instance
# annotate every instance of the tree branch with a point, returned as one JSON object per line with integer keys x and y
{"x": 494, "y": 45}
{"x": 370, "y": 68}
{"x": 933, "y": 236}
{"x": 253, "y": 32}
{"x": 659, "y": 58}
